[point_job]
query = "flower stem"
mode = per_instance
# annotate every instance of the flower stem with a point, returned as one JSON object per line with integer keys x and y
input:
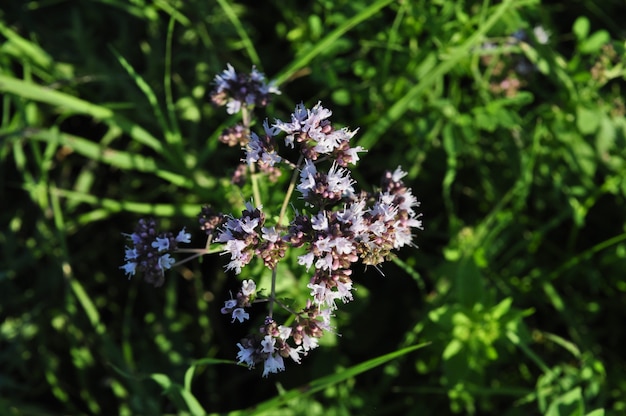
{"x": 194, "y": 256}
{"x": 292, "y": 185}
{"x": 246, "y": 117}
{"x": 272, "y": 295}
{"x": 287, "y": 308}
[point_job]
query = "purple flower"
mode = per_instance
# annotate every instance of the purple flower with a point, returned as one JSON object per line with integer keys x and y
{"x": 241, "y": 90}
{"x": 151, "y": 251}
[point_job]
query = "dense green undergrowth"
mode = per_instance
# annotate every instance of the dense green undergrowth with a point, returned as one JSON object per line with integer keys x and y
{"x": 508, "y": 117}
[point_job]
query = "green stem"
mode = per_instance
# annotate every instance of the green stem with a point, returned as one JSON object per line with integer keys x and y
{"x": 201, "y": 251}
{"x": 246, "y": 120}
{"x": 272, "y": 295}
{"x": 287, "y": 308}
{"x": 188, "y": 259}
{"x": 256, "y": 193}
{"x": 292, "y": 185}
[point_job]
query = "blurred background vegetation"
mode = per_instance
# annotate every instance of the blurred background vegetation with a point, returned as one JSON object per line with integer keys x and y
{"x": 508, "y": 116}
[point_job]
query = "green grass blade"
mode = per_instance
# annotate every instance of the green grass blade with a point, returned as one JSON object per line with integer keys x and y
{"x": 174, "y": 14}
{"x": 147, "y": 91}
{"x": 515, "y": 340}
{"x": 112, "y": 205}
{"x": 586, "y": 255}
{"x": 245, "y": 39}
{"x": 27, "y": 48}
{"x": 45, "y": 95}
{"x": 327, "y": 381}
{"x": 112, "y": 157}
{"x": 126, "y": 6}
{"x": 204, "y": 361}
{"x": 392, "y": 40}
{"x": 174, "y": 135}
{"x": 182, "y": 398}
{"x": 94, "y": 151}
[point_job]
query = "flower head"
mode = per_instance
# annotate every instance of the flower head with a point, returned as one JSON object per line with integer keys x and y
{"x": 315, "y": 136}
{"x": 241, "y": 90}
{"x": 338, "y": 227}
{"x": 151, "y": 251}
{"x": 273, "y": 364}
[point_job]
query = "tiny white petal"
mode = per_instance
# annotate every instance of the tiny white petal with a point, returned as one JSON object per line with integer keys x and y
{"x": 248, "y": 287}
{"x": 268, "y": 343}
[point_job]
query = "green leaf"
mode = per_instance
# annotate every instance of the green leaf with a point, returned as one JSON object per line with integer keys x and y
{"x": 452, "y": 349}
{"x": 569, "y": 404}
{"x": 605, "y": 139}
{"x": 595, "y": 42}
{"x": 588, "y": 120}
{"x": 502, "y": 308}
{"x": 581, "y": 28}
{"x": 469, "y": 284}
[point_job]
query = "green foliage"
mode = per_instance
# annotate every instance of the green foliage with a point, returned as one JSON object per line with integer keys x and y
{"x": 515, "y": 143}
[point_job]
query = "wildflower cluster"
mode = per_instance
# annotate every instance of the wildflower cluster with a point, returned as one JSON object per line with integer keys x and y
{"x": 241, "y": 90}
{"x": 269, "y": 345}
{"x": 151, "y": 251}
{"x": 333, "y": 225}
{"x": 246, "y": 237}
{"x": 336, "y": 228}
{"x": 245, "y": 297}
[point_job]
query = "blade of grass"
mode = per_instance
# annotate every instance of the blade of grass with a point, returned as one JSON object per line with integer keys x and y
{"x": 182, "y": 398}
{"x": 80, "y": 294}
{"x": 586, "y": 255}
{"x": 327, "y": 381}
{"x": 567, "y": 345}
{"x": 28, "y": 49}
{"x": 158, "y": 210}
{"x": 174, "y": 14}
{"x": 393, "y": 38}
{"x": 112, "y": 157}
{"x": 148, "y": 93}
{"x": 77, "y": 288}
{"x": 202, "y": 362}
{"x": 167, "y": 83}
{"x": 515, "y": 340}
{"x": 411, "y": 272}
{"x": 245, "y": 39}
{"x": 45, "y": 95}
{"x": 126, "y": 6}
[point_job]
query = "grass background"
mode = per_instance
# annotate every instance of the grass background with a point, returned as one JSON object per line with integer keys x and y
{"x": 514, "y": 303}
